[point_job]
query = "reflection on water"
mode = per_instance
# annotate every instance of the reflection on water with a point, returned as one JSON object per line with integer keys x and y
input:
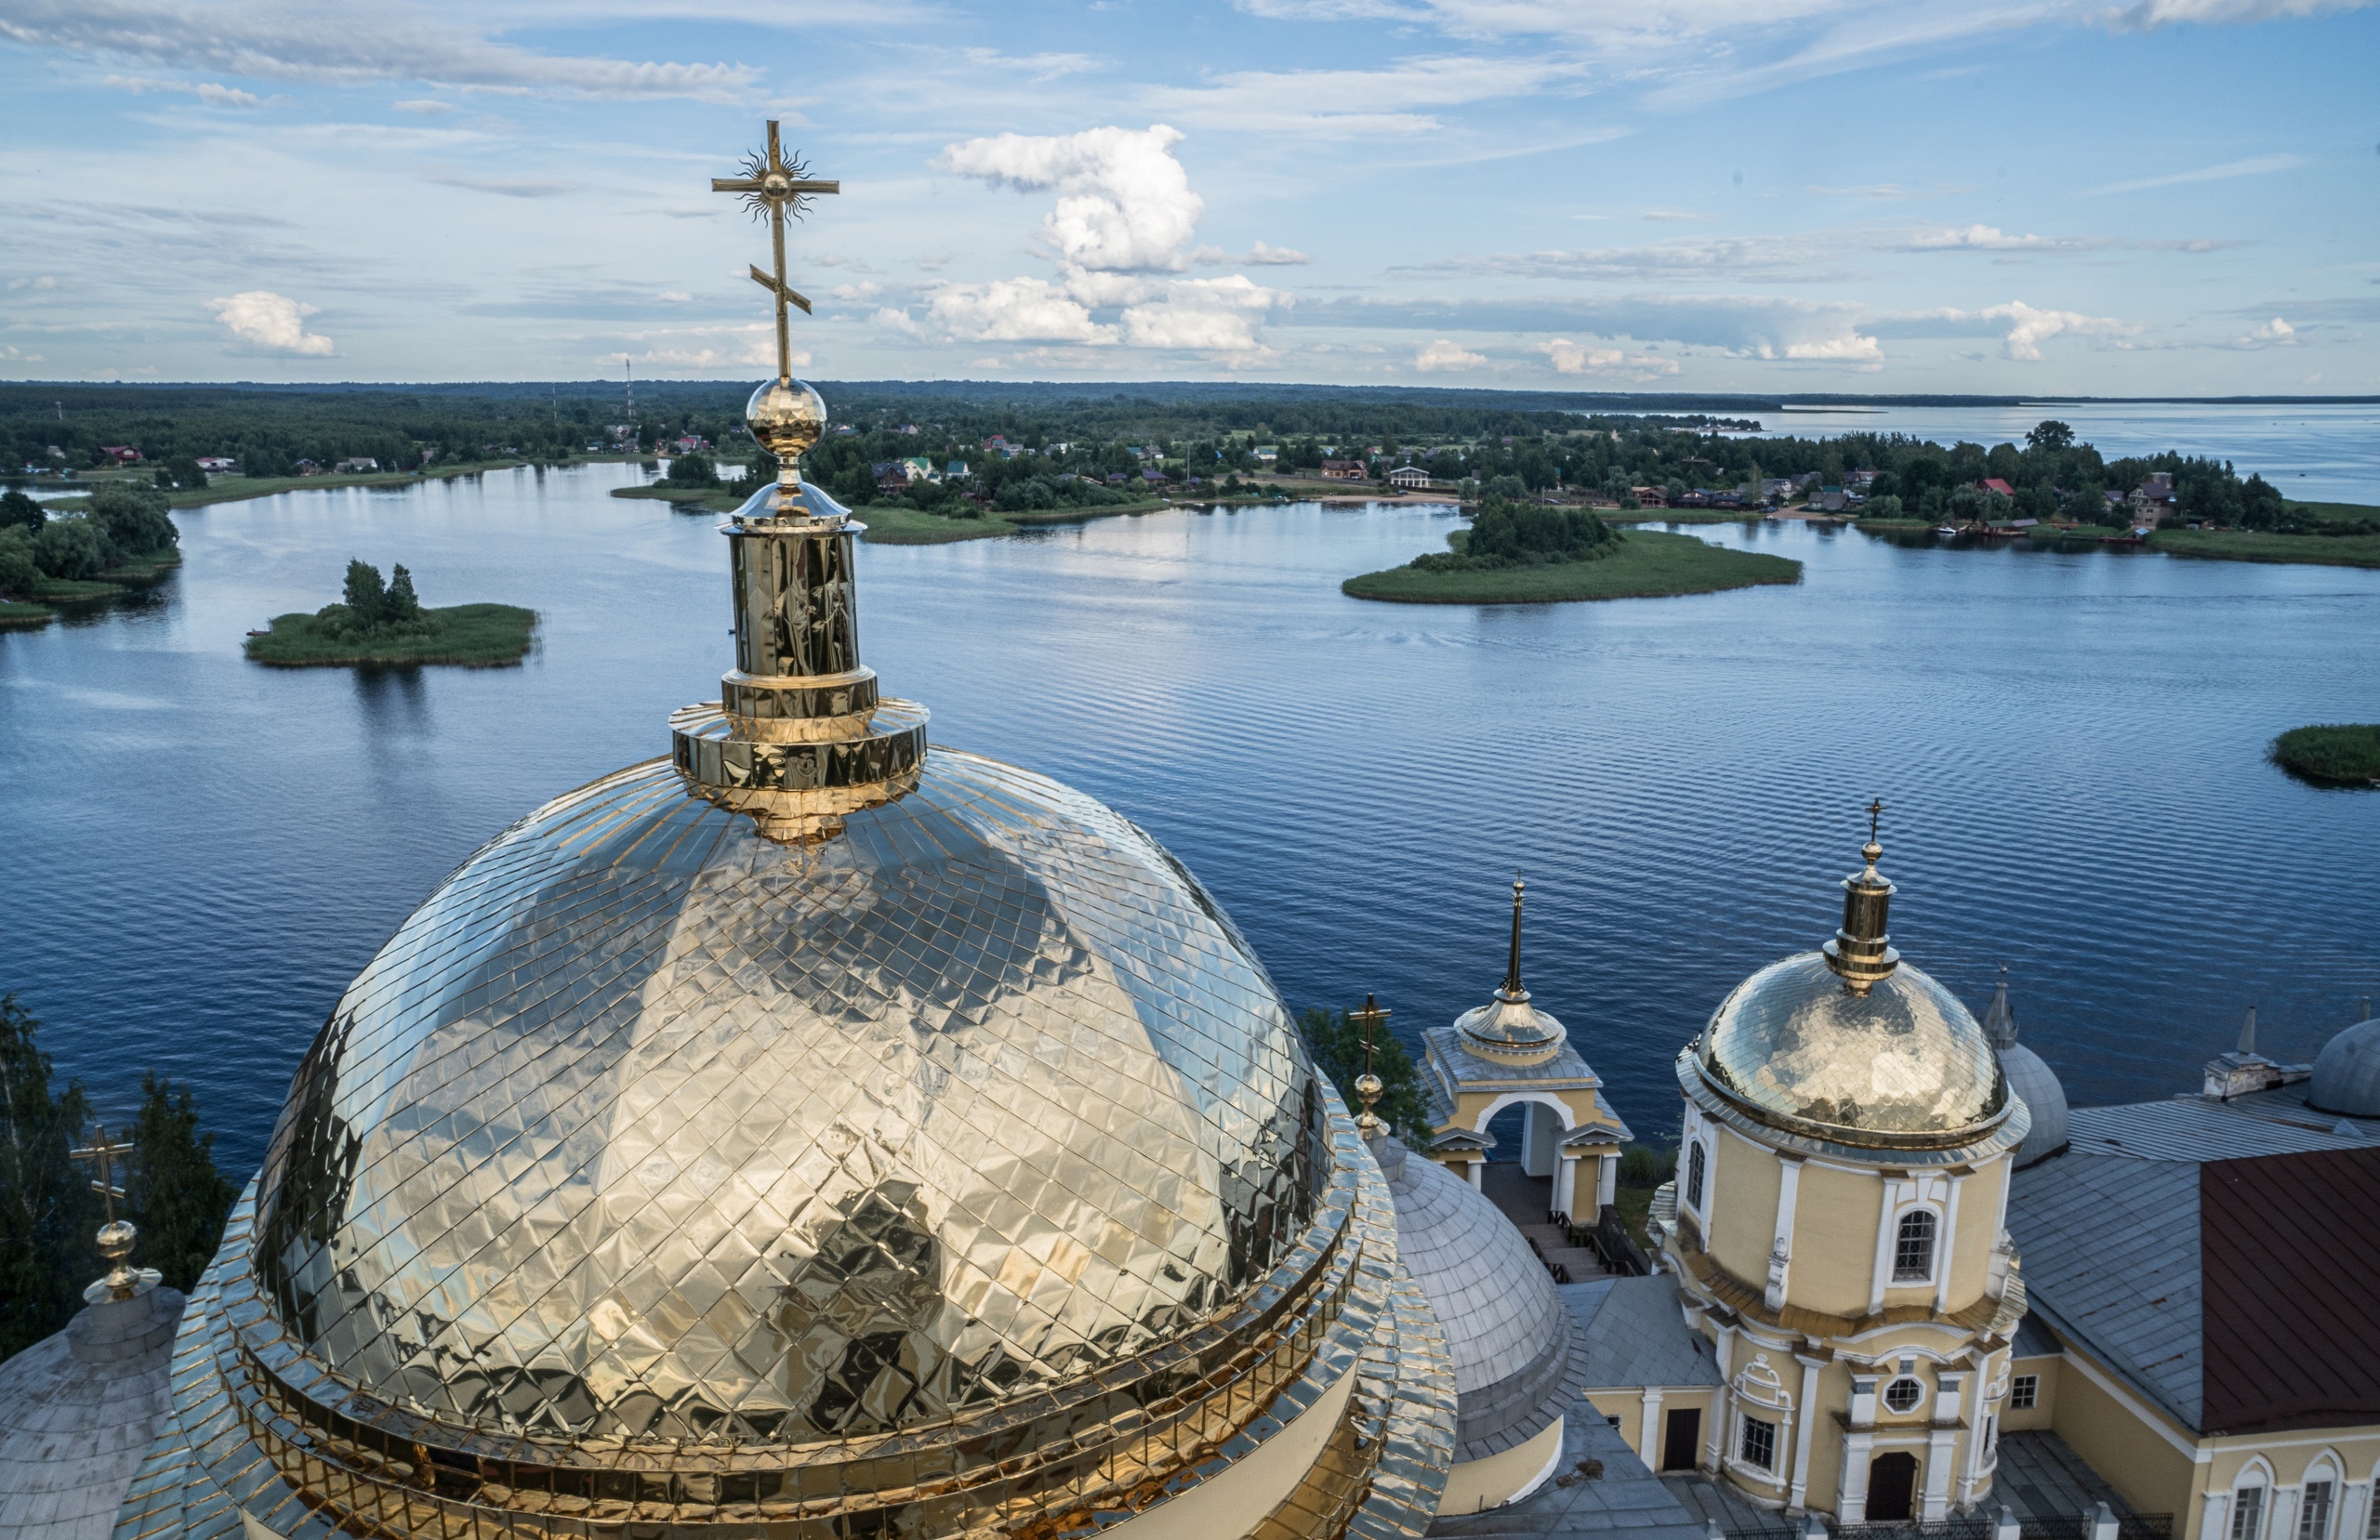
{"x": 202, "y": 851}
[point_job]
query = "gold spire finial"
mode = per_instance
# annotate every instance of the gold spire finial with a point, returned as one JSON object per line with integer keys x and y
{"x": 1512, "y": 989}
{"x": 786, "y": 418}
{"x": 1862, "y": 953}
{"x": 1368, "y": 1084}
{"x": 124, "y": 1281}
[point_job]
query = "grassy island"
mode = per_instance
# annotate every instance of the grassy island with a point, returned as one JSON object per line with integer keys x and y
{"x": 1522, "y": 555}
{"x": 388, "y": 625}
{"x": 121, "y": 541}
{"x": 2338, "y": 755}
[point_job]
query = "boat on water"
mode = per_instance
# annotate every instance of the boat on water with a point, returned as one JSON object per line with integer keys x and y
{"x": 1946, "y": 529}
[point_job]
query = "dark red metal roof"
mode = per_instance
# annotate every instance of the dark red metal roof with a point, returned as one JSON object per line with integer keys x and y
{"x": 2289, "y": 1249}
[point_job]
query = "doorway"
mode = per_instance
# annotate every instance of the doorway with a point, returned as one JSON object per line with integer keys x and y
{"x": 1682, "y": 1441}
{"x": 1892, "y": 1486}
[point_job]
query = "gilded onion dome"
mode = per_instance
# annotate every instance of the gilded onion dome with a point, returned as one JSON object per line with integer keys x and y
{"x": 1851, "y": 1044}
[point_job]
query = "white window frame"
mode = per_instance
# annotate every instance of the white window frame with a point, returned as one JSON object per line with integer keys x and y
{"x": 1933, "y": 1247}
{"x": 2256, "y": 1476}
{"x": 1743, "y": 1432}
{"x": 2325, "y": 1471}
{"x": 1697, "y": 1187}
{"x": 1915, "y": 1407}
{"x": 2027, "y": 1386}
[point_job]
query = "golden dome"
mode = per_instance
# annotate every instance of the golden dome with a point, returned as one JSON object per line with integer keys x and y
{"x": 647, "y": 1127}
{"x": 1903, "y": 1063}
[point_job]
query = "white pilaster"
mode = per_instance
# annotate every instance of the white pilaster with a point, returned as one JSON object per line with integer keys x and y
{"x": 1883, "y": 1264}
{"x": 1723, "y": 1353}
{"x": 1649, "y": 1442}
{"x": 1809, "y": 1416}
{"x": 1566, "y": 1188}
{"x": 2216, "y": 1522}
{"x": 1478, "y": 1172}
{"x": 1940, "y": 1453}
{"x": 1789, "y": 1184}
{"x": 1607, "y": 1182}
{"x": 1946, "y": 1247}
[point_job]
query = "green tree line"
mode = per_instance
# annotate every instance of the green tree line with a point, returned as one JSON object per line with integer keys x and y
{"x": 126, "y": 522}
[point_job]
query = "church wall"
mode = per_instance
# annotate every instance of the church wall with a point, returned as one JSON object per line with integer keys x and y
{"x": 1743, "y": 1204}
{"x": 2137, "y": 1458}
{"x": 1981, "y": 1199}
{"x": 2347, "y": 1457}
{"x": 1835, "y": 1217}
{"x": 1623, "y": 1407}
{"x": 2043, "y": 1412}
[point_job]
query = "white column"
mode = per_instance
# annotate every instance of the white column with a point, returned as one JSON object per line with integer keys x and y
{"x": 1478, "y": 1172}
{"x": 1565, "y": 1187}
{"x": 2355, "y": 1516}
{"x": 1851, "y": 1489}
{"x": 1723, "y": 1353}
{"x": 1607, "y": 1182}
{"x": 1883, "y": 1272}
{"x": 2281, "y": 1522}
{"x": 1944, "y": 1249}
{"x": 1939, "y": 1457}
{"x": 1809, "y": 1411}
{"x": 1650, "y": 1441}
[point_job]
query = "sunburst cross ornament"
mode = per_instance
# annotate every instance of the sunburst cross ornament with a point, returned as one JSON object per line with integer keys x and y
{"x": 775, "y": 186}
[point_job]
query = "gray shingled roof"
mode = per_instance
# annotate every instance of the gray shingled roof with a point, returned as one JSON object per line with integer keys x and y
{"x": 1626, "y": 1500}
{"x": 2111, "y": 1258}
{"x": 1636, "y": 1335}
{"x": 2192, "y": 1128}
{"x": 1488, "y": 1289}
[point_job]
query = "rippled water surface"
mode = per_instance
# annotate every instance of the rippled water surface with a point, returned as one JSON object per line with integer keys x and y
{"x": 200, "y": 853}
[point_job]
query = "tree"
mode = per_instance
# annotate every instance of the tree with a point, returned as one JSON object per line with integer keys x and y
{"x": 19, "y": 573}
{"x": 132, "y": 520}
{"x": 70, "y": 549}
{"x": 178, "y": 1197}
{"x": 1336, "y": 1045}
{"x": 19, "y": 511}
{"x": 691, "y": 471}
{"x": 2051, "y": 438}
{"x": 364, "y": 596}
{"x": 48, "y": 1218}
{"x": 403, "y": 608}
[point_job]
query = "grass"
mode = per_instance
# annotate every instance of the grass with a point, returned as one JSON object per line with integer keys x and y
{"x": 722, "y": 498}
{"x": 2327, "y": 550}
{"x": 2340, "y": 755}
{"x": 474, "y": 636}
{"x": 2367, "y": 513}
{"x": 1649, "y": 564}
{"x": 1679, "y": 516}
{"x": 13, "y": 612}
{"x": 898, "y": 524}
{"x": 138, "y": 572}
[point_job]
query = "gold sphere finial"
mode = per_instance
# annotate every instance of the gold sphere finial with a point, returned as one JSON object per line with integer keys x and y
{"x": 1368, "y": 1084}
{"x": 786, "y": 418}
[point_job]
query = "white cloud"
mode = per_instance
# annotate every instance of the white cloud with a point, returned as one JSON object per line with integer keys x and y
{"x": 1212, "y": 315}
{"x": 1033, "y": 67}
{"x": 1773, "y": 257}
{"x": 2274, "y": 333}
{"x": 857, "y": 293}
{"x": 2166, "y": 13}
{"x": 1578, "y": 358}
{"x": 503, "y": 189}
{"x": 1840, "y": 349}
{"x": 1983, "y": 238}
{"x": 1124, "y": 203}
{"x": 1445, "y": 357}
{"x": 1668, "y": 216}
{"x": 751, "y": 345}
{"x": 205, "y": 91}
{"x": 675, "y": 296}
{"x": 1014, "y": 310}
{"x": 424, "y": 108}
{"x": 1259, "y": 256}
{"x": 44, "y": 281}
{"x": 2255, "y": 166}
{"x": 2023, "y": 329}
{"x": 266, "y": 320}
{"x": 343, "y": 44}
{"x": 1350, "y": 103}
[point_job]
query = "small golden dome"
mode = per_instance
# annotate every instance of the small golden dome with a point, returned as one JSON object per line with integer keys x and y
{"x": 1903, "y": 1063}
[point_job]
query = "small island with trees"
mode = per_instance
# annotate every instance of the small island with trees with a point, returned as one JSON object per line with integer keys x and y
{"x": 1525, "y": 553}
{"x": 123, "y": 540}
{"x": 378, "y": 623}
{"x": 2343, "y": 753}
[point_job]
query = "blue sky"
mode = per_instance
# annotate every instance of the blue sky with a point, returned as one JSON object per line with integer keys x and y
{"x": 2019, "y": 196}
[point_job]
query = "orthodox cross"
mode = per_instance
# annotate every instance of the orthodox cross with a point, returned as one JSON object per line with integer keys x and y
{"x": 777, "y": 186}
{"x": 1875, "y": 817}
{"x": 1368, "y": 1084}
{"x": 102, "y": 1155}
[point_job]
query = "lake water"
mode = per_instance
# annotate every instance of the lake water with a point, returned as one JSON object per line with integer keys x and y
{"x": 200, "y": 853}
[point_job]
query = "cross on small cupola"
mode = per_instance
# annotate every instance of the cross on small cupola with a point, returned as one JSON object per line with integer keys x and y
{"x": 773, "y": 186}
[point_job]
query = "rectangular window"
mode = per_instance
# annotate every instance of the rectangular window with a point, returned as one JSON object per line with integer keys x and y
{"x": 1759, "y": 1444}
{"x": 2314, "y": 1512}
{"x": 2247, "y": 1513}
{"x": 2024, "y": 1392}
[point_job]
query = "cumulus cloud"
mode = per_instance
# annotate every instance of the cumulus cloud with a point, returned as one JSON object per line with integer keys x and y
{"x": 1016, "y": 310}
{"x": 1124, "y": 203}
{"x": 1444, "y": 356}
{"x": 263, "y": 319}
{"x": 2274, "y": 333}
{"x": 1578, "y": 358}
{"x": 2021, "y": 327}
{"x": 205, "y": 91}
{"x": 746, "y": 346}
{"x": 1201, "y": 315}
{"x": 343, "y": 44}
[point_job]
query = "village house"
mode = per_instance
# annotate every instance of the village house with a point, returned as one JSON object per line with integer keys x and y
{"x": 1993, "y": 483}
{"x": 1343, "y": 470}
{"x": 123, "y": 454}
{"x": 1408, "y": 476}
{"x": 2151, "y": 501}
{"x": 688, "y": 443}
{"x": 355, "y": 465}
{"x": 216, "y": 464}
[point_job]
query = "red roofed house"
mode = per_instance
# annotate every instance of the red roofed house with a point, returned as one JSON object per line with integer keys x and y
{"x": 123, "y": 454}
{"x": 1345, "y": 470}
{"x": 1993, "y": 483}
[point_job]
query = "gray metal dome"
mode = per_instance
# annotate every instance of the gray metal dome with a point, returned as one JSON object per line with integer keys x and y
{"x": 78, "y": 1410}
{"x": 1507, "y": 1333}
{"x": 2030, "y": 1080}
{"x": 2346, "y": 1073}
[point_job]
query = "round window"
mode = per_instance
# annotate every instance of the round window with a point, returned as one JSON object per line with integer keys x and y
{"x": 1903, "y": 1394}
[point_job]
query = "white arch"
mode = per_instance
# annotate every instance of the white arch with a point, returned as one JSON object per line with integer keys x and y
{"x": 1516, "y": 1099}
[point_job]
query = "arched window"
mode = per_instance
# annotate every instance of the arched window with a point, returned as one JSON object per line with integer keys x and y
{"x": 2318, "y": 1501}
{"x": 1693, "y": 1176}
{"x": 2248, "y": 1507}
{"x": 1914, "y": 1247}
